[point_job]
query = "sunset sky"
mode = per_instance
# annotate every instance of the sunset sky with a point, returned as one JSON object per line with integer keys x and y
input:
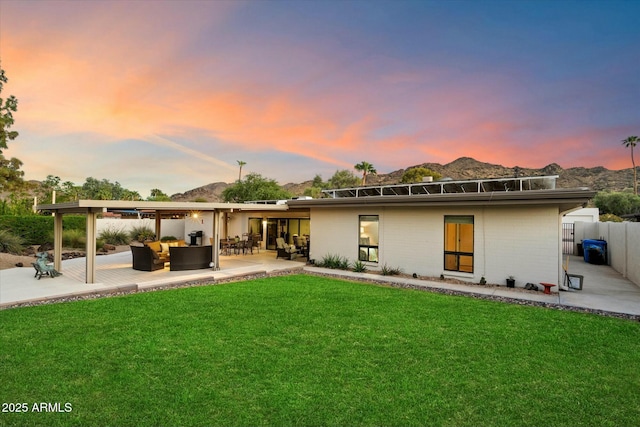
{"x": 171, "y": 94}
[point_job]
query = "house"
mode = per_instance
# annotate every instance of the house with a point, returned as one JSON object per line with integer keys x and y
{"x": 466, "y": 230}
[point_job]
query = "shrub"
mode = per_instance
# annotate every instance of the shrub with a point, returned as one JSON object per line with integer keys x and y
{"x": 114, "y": 236}
{"x": 38, "y": 229}
{"x": 610, "y": 218}
{"x": 359, "y": 267}
{"x": 335, "y": 262}
{"x": 168, "y": 238}
{"x": 77, "y": 239}
{"x": 142, "y": 233}
{"x": 390, "y": 271}
{"x": 74, "y": 239}
{"x": 10, "y": 242}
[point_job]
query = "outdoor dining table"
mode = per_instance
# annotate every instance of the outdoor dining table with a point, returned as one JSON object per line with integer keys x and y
{"x": 227, "y": 245}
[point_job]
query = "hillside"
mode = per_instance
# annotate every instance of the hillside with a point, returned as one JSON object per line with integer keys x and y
{"x": 597, "y": 178}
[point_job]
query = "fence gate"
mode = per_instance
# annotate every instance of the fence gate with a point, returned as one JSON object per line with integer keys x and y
{"x": 567, "y": 238}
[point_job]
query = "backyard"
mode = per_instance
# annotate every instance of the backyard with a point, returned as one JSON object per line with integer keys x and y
{"x": 306, "y": 350}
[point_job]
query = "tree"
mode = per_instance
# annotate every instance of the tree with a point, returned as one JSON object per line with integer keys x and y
{"x": 11, "y": 177}
{"x": 343, "y": 179}
{"x": 10, "y": 173}
{"x": 105, "y": 190}
{"x": 7, "y": 108}
{"x": 254, "y": 187}
{"x": 317, "y": 185}
{"x": 631, "y": 142}
{"x": 414, "y": 175}
{"x": 617, "y": 203}
{"x": 241, "y": 164}
{"x": 366, "y": 169}
{"x": 158, "y": 195}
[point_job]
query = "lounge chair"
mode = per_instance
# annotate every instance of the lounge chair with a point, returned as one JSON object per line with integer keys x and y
{"x": 285, "y": 250}
{"x": 146, "y": 259}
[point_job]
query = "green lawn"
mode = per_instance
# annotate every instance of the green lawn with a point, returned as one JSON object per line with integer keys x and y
{"x": 303, "y": 350}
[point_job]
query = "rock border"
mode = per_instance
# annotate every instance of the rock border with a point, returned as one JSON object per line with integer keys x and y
{"x": 212, "y": 281}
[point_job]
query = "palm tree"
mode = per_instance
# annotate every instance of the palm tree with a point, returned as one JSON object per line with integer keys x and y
{"x": 630, "y": 143}
{"x": 241, "y": 163}
{"x": 366, "y": 168}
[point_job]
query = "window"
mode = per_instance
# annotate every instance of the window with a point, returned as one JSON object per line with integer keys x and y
{"x": 368, "y": 241}
{"x": 458, "y": 243}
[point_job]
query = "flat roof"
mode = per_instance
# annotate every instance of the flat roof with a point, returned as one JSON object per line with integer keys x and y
{"x": 82, "y": 206}
{"x": 566, "y": 199}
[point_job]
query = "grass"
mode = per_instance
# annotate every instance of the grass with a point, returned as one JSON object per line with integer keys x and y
{"x": 11, "y": 243}
{"x": 304, "y": 350}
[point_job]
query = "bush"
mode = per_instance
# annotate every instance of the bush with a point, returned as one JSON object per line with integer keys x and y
{"x": 359, "y": 267}
{"x": 38, "y": 229}
{"x": 77, "y": 239}
{"x": 74, "y": 239}
{"x": 335, "y": 262}
{"x": 610, "y": 218}
{"x": 10, "y": 243}
{"x": 114, "y": 236}
{"x": 142, "y": 233}
{"x": 390, "y": 271}
{"x": 168, "y": 238}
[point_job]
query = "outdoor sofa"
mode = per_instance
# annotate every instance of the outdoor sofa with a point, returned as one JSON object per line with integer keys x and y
{"x": 190, "y": 257}
{"x": 152, "y": 256}
{"x": 146, "y": 259}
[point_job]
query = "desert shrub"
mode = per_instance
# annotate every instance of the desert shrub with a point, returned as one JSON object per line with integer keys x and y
{"x": 336, "y": 262}
{"x": 168, "y": 238}
{"x": 610, "y": 218}
{"x": 77, "y": 239}
{"x": 115, "y": 236}
{"x": 74, "y": 239}
{"x": 359, "y": 267}
{"x": 10, "y": 242}
{"x": 390, "y": 271}
{"x": 142, "y": 233}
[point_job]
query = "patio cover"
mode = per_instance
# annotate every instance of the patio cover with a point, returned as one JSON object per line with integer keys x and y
{"x": 91, "y": 208}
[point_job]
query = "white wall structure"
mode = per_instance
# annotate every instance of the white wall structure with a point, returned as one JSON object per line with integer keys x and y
{"x": 518, "y": 241}
{"x": 583, "y": 215}
{"x": 623, "y": 244}
{"x": 169, "y": 227}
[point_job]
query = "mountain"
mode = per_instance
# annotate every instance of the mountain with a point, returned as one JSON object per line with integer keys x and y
{"x": 597, "y": 178}
{"x": 207, "y": 193}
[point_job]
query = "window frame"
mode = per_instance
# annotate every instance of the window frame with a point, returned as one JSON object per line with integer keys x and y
{"x": 371, "y": 251}
{"x": 459, "y": 220}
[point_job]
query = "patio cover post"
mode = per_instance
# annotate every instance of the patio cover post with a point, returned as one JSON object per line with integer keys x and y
{"x": 215, "y": 250}
{"x": 91, "y": 246}
{"x": 158, "y": 224}
{"x": 57, "y": 241}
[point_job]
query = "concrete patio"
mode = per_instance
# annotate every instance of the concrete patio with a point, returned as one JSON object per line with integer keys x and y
{"x": 114, "y": 273}
{"x": 604, "y": 289}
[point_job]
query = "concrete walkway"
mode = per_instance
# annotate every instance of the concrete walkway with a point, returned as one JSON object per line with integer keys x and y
{"x": 603, "y": 289}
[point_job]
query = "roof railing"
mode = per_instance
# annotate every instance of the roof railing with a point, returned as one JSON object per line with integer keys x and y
{"x": 448, "y": 186}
